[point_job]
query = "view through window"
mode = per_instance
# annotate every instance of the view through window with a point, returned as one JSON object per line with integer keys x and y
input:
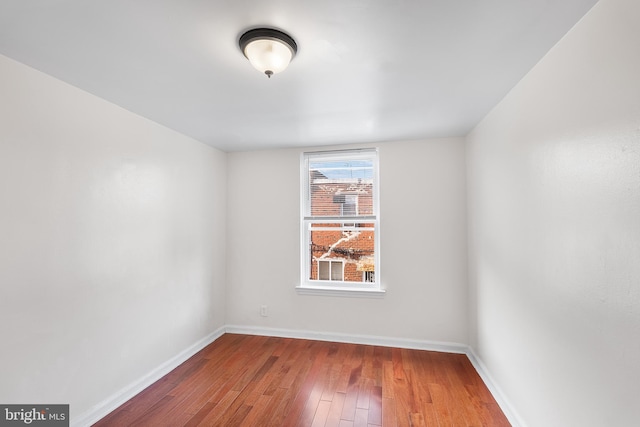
{"x": 340, "y": 218}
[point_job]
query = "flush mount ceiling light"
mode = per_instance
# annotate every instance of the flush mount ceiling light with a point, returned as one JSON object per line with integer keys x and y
{"x": 268, "y": 50}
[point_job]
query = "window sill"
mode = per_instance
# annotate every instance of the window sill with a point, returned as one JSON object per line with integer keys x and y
{"x": 341, "y": 292}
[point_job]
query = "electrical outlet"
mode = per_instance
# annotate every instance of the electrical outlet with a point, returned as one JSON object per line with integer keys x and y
{"x": 263, "y": 311}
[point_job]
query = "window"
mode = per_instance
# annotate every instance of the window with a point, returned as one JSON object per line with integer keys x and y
{"x": 339, "y": 218}
{"x": 330, "y": 270}
{"x": 369, "y": 276}
{"x": 349, "y": 207}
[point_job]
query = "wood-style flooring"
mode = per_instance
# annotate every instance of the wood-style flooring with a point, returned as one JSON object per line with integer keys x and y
{"x": 243, "y": 380}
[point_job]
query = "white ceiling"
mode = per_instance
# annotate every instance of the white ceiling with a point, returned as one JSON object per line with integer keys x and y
{"x": 366, "y": 70}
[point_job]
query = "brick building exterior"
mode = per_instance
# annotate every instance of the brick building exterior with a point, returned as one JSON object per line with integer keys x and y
{"x": 342, "y": 251}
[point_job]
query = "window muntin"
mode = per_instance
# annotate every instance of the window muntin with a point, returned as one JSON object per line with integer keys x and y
{"x": 340, "y": 219}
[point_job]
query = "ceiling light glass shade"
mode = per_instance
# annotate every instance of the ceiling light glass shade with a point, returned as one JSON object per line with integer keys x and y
{"x": 268, "y": 55}
{"x": 268, "y": 50}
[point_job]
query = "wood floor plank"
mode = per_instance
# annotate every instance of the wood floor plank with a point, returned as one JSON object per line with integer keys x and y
{"x": 238, "y": 417}
{"x": 258, "y": 409}
{"x": 345, "y": 372}
{"x": 300, "y": 404}
{"x": 335, "y": 410}
{"x": 361, "y": 417}
{"x": 321, "y": 414}
{"x": 220, "y": 410}
{"x": 331, "y": 384}
{"x": 375, "y": 406}
{"x": 147, "y": 417}
{"x": 389, "y": 412}
{"x": 200, "y": 415}
{"x": 283, "y": 400}
{"x": 311, "y": 405}
{"x": 387, "y": 381}
{"x": 350, "y": 402}
{"x": 138, "y": 405}
{"x": 364, "y": 393}
{"x": 441, "y": 405}
{"x": 295, "y": 368}
{"x": 222, "y": 375}
{"x": 254, "y": 381}
{"x": 368, "y": 370}
{"x": 416, "y": 419}
{"x": 430, "y": 417}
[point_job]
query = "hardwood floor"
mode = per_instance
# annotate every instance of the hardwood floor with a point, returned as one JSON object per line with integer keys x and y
{"x": 242, "y": 380}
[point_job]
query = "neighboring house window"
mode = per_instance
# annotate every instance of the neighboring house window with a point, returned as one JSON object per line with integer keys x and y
{"x": 330, "y": 270}
{"x": 349, "y": 207}
{"x": 340, "y": 219}
{"x": 369, "y": 276}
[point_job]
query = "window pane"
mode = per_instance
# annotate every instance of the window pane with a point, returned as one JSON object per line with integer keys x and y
{"x": 350, "y": 205}
{"x": 323, "y": 270}
{"x": 336, "y": 270}
{"x": 351, "y": 247}
{"x": 341, "y": 188}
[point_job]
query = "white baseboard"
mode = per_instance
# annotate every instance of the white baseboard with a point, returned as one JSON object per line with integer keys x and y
{"x": 106, "y": 406}
{"x": 103, "y": 408}
{"x": 447, "y": 347}
{"x": 508, "y": 409}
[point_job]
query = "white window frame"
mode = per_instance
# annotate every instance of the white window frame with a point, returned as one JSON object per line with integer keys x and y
{"x": 335, "y": 287}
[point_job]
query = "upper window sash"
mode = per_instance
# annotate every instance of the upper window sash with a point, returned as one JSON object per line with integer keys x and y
{"x": 353, "y": 173}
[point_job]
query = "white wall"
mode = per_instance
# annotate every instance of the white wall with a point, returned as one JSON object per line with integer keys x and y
{"x": 112, "y": 235}
{"x": 423, "y": 246}
{"x": 554, "y": 209}
{"x": 116, "y": 236}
